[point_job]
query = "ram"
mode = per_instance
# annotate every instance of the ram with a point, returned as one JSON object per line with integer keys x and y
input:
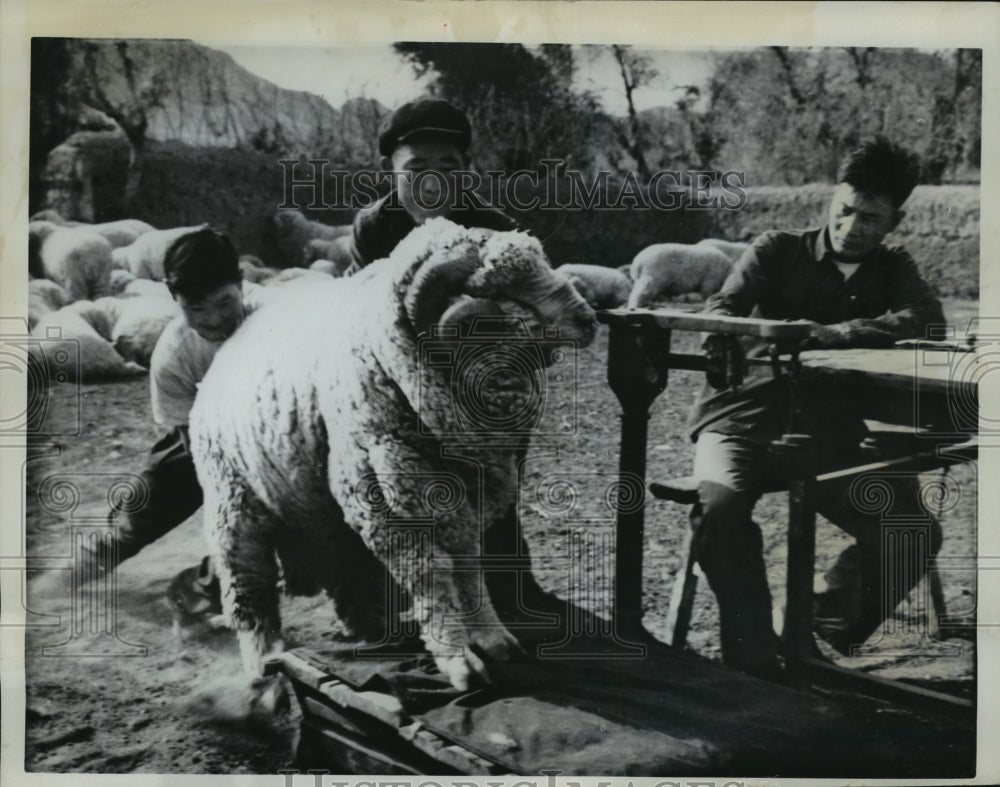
{"x": 318, "y": 459}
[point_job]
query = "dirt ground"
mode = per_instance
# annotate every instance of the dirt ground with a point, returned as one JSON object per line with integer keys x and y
{"x": 126, "y": 696}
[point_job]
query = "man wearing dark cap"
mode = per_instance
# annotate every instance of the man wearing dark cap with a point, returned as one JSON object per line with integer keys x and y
{"x": 424, "y": 145}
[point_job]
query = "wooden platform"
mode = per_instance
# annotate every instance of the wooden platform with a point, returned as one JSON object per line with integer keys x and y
{"x": 666, "y": 714}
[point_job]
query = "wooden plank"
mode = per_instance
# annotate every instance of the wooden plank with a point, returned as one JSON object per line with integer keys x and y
{"x": 457, "y": 757}
{"x": 935, "y": 371}
{"x": 827, "y": 675}
{"x": 301, "y": 665}
{"x": 776, "y": 330}
{"x": 326, "y": 744}
{"x": 383, "y": 707}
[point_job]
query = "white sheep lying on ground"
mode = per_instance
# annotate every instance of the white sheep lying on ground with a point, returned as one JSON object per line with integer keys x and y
{"x": 144, "y": 287}
{"x": 123, "y": 232}
{"x": 337, "y": 251}
{"x": 602, "y": 288}
{"x": 321, "y": 456}
{"x": 102, "y": 320}
{"x": 78, "y": 259}
{"x": 671, "y": 270}
{"x": 73, "y": 351}
{"x": 292, "y": 231}
{"x": 144, "y": 258}
{"x": 137, "y": 326}
{"x": 44, "y": 296}
{"x": 732, "y": 249}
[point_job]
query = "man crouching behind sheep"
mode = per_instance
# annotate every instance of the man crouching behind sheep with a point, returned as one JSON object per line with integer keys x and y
{"x": 331, "y": 396}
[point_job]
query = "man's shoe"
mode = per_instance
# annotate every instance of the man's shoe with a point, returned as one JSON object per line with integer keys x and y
{"x": 195, "y": 594}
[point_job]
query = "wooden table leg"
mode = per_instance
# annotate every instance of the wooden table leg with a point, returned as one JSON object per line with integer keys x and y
{"x": 798, "y": 462}
{"x": 637, "y": 373}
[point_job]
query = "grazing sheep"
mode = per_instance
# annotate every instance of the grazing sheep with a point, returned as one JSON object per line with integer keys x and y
{"x": 120, "y": 279}
{"x": 143, "y": 287}
{"x": 144, "y": 258}
{"x": 74, "y": 352}
{"x": 337, "y": 251}
{"x": 730, "y": 248}
{"x": 670, "y": 270}
{"x": 78, "y": 259}
{"x": 321, "y": 456}
{"x": 602, "y": 288}
{"x": 138, "y": 325}
{"x": 44, "y": 296}
{"x": 327, "y": 267}
{"x": 292, "y": 231}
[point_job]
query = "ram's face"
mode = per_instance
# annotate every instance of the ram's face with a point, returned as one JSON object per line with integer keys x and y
{"x": 516, "y": 276}
{"x": 465, "y": 275}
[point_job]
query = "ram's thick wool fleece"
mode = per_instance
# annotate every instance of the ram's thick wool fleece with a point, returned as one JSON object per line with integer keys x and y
{"x": 318, "y": 433}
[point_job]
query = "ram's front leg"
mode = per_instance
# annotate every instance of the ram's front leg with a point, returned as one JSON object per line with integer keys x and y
{"x": 461, "y": 629}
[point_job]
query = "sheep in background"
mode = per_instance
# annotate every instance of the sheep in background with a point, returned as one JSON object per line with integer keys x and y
{"x": 326, "y": 266}
{"x": 95, "y": 315}
{"x": 293, "y": 274}
{"x": 255, "y": 274}
{"x": 44, "y": 296}
{"x": 121, "y": 233}
{"x": 74, "y": 352}
{"x": 120, "y": 258}
{"x": 138, "y": 324}
{"x": 602, "y": 288}
{"x": 144, "y": 287}
{"x": 672, "y": 270}
{"x": 52, "y": 216}
{"x": 337, "y": 424}
{"x": 38, "y": 231}
{"x": 144, "y": 258}
{"x": 78, "y": 259}
{"x": 120, "y": 279}
{"x": 730, "y": 248}
{"x": 292, "y": 231}
{"x": 337, "y": 251}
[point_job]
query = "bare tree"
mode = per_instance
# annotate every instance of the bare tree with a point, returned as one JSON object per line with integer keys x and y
{"x": 636, "y": 70}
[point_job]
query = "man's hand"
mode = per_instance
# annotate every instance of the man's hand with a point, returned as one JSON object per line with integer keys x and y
{"x": 725, "y": 361}
{"x": 828, "y": 336}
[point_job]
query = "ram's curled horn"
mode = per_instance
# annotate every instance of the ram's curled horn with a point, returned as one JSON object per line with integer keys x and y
{"x": 437, "y": 281}
{"x": 466, "y": 309}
